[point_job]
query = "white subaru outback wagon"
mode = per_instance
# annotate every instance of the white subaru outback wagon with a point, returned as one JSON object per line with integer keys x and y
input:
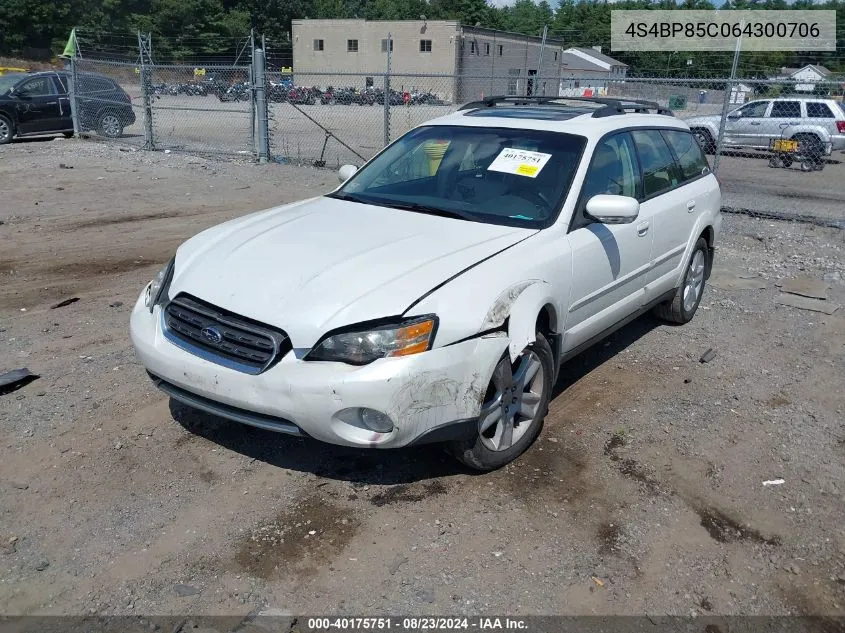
{"x": 433, "y": 296}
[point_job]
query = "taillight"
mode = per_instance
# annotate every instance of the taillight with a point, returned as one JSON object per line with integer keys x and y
{"x": 840, "y": 127}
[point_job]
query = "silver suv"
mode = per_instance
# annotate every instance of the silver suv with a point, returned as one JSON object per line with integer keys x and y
{"x": 819, "y": 124}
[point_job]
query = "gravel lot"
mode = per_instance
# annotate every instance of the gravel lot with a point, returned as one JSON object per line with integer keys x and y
{"x": 644, "y": 493}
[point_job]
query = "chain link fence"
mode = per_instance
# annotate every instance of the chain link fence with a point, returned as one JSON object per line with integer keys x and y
{"x": 199, "y": 108}
{"x": 777, "y": 145}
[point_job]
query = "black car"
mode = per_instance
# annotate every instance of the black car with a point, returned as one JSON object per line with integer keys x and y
{"x": 37, "y": 103}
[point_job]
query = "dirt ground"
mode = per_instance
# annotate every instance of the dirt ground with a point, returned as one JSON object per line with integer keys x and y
{"x": 644, "y": 493}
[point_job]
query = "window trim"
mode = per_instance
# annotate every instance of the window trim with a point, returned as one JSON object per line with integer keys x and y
{"x": 322, "y": 45}
{"x": 578, "y": 205}
{"x": 501, "y": 49}
{"x": 349, "y": 46}
{"x": 423, "y": 44}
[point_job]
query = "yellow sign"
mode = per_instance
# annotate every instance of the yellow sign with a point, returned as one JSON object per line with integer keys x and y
{"x": 7, "y": 69}
{"x": 199, "y": 72}
{"x": 137, "y": 71}
{"x": 527, "y": 170}
{"x": 287, "y": 69}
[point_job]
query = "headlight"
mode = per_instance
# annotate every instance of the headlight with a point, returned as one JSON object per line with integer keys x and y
{"x": 157, "y": 289}
{"x": 360, "y": 346}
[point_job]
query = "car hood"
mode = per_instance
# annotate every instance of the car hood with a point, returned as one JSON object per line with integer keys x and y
{"x": 704, "y": 118}
{"x": 324, "y": 263}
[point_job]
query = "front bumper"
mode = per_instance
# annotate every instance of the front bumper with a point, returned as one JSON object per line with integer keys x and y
{"x": 423, "y": 394}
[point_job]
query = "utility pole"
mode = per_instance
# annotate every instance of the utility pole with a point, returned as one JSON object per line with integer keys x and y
{"x": 726, "y": 101}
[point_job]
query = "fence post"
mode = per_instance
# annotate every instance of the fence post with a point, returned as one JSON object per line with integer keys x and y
{"x": 72, "y": 93}
{"x": 253, "y": 100}
{"x": 725, "y": 103}
{"x": 261, "y": 105}
{"x": 387, "y": 91}
{"x": 146, "y": 89}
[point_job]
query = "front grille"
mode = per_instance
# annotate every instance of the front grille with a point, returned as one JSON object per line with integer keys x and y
{"x": 223, "y": 337}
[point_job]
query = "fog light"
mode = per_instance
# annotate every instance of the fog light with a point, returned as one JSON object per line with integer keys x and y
{"x": 367, "y": 419}
{"x": 375, "y": 420}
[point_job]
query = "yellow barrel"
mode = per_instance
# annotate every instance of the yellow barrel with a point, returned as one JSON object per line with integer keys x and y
{"x": 435, "y": 151}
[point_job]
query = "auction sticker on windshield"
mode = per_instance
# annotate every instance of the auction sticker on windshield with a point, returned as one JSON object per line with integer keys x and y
{"x": 520, "y": 162}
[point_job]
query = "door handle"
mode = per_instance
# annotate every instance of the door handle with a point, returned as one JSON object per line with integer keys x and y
{"x": 642, "y": 229}
{"x": 691, "y": 206}
{"x": 755, "y": 123}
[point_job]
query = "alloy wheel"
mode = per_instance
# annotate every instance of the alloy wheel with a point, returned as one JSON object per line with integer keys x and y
{"x": 110, "y": 126}
{"x": 513, "y": 401}
{"x": 694, "y": 283}
{"x": 5, "y": 131}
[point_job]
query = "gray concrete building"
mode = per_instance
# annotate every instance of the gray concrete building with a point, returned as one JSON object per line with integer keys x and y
{"x": 492, "y": 62}
{"x": 472, "y": 62}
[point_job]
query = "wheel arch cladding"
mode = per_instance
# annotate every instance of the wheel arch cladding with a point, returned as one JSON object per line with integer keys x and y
{"x": 524, "y": 307}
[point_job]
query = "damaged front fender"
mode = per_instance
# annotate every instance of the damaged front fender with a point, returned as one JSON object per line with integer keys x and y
{"x": 434, "y": 394}
{"x": 523, "y": 313}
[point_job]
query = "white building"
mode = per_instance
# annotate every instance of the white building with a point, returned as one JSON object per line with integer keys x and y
{"x": 806, "y": 77}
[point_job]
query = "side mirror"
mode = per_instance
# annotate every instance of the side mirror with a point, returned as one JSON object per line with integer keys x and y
{"x": 346, "y": 172}
{"x": 735, "y": 115}
{"x": 610, "y": 209}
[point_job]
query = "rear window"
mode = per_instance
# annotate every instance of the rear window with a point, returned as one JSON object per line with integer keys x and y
{"x": 691, "y": 159}
{"x": 817, "y": 110}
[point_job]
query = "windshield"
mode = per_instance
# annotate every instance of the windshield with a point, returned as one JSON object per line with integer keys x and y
{"x": 493, "y": 175}
{"x": 7, "y": 81}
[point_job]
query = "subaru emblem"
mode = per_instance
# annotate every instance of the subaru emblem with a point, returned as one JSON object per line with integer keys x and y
{"x": 212, "y": 335}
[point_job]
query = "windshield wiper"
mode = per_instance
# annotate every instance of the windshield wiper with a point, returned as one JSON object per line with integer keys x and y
{"x": 347, "y": 196}
{"x": 416, "y": 207}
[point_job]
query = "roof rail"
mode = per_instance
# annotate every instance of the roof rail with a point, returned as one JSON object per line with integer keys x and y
{"x": 611, "y": 106}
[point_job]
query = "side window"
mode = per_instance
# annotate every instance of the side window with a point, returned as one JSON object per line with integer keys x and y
{"x": 691, "y": 159}
{"x": 785, "y": 109}
{"x": 38, "y": 87}
{"x": 816, "y": 110}
{"x": 755, "y": 109}
{"x": 660, "y": 172}
{"x": 614, "y": 169}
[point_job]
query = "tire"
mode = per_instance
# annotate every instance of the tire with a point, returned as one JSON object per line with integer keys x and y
{"x": 806, "y": 165}
{"x": 110, "y": 125}
{"x": 774, "y": 162}
{"x": 481, "y": 452}
{"x": 787, "y": 161}
{"x": 811, "y": 149}
{"x": 681, "y": 308}
{"x": 7, "y": 130}
{"x": 705, "y": 140}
